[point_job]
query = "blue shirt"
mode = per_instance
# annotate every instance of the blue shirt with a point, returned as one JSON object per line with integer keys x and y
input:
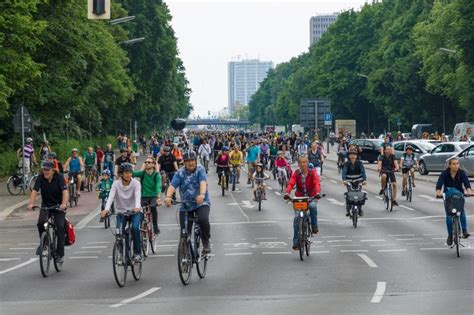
{"x": 74, "y": 165}
{"x": 253, "y": 153}
{"x": 188, "y": 184}
{"x": 445, "y": 181}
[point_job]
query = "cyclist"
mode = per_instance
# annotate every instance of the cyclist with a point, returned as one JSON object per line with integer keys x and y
{"x": 104, "y": 187}
{"x": 53, "y": 193}
{"x": 387, "y": 165}
{"x": 167, "y": 163}
{"x": 150, "y": 181}
{"x": 282, "y": 165}
{"x": 342, "y": 150}
{"x": 222, "y": 162}
{"x": 76, "y": 166}
{"x": 386, "y": 142}
{"x": 123, "y": 158}
{"x": 109, "y": 159}
{"x": 90, "y": 161}
{"x": 205, "y": 152}
{"x": 307, "y": 184}
{"x": 100, "y": 159}
{"x": 408, "y": 161}
{"x": 302, "y": 148}
{"x": 192, "y": 183}
{"x": 125, "y": 194}
{"x": 452, "y": 181}
{"x": 177, "y": 154}
{"x": 264, "y": 152}
{"x": 315, "y": 157}
{"x": 253, "y": 152}
{"x": 273, "y": 153}
{"x": 260, "y": 174}
{"x": 236, "y": 160}
{"x": 44, "y": 150}
{"x": 58, "y": 166}
{"x": 353, "y": 170}
{"x": 29, "y": 154}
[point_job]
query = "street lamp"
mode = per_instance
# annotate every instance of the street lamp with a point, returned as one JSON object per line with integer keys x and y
{"x": 368, "y": 112}
{"x": 121, "y": 20}
{"x": 67, "y": 116}
{"x": 363, "y": 75}
{"x": 447, "y": 50}
{"x": 133, "y": 41}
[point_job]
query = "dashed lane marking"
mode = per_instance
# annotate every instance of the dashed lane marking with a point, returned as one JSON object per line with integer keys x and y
{"x": 400, "y": 235}
{"x": 392, "y": 250}
{"x": 277, "y": 193}
{"x": 237, "y": 254}
{"x": 407, "y": 208}
{"x": 276, "y": 253}
{"x": 19, "y": 266}
{"x": 379, "y": 292}
{"x": 369, "y": 261}
{"x": 373, "y": 240}
{"x": 9, "y": 259}
{"x": 137, "y": 297}
{"x": 320, "y": 252}
{"x": 83, "y": 257}
{"x": 409, "y": 239}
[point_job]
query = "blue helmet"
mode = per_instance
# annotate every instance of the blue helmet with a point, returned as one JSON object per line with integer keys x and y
{"x": 311, "y": 166}
{"x": 106, "y": 172}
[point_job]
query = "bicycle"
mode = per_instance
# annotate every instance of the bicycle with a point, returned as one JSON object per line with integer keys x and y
{"x": 148, "y": 234}
{"x": 16, "y": 184}
{"x": 189, "y": 253}
{"x": 90, "y": 177}
{"x": 355, "y": 198}
{"x": 223, "y": 175}
{"x": 409, "y": 187}
{"x": 301, "y": 206}
{"x": 233, "y": 176}
{"x": 388, "y": 194}
{"x": 340, "y": 162}
{"x": 455, "y": 212}
{"x": 72, "y": 189}
{"x": 273, "y": 166}
{"x": 282, "y": 178}
{"x": 122, "y": 252}
{"x": 259, "y": 193}
{"x": 48, "y": 243}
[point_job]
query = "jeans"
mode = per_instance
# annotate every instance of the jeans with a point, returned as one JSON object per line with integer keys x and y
{"x": 60, "y": 222}
{"x": 458, "y": 204}
{"x": 203, "y": 221}
{"x": 135, "y": 220}
{"x": 313, "y": 213}
{"x": 110, "y": 167}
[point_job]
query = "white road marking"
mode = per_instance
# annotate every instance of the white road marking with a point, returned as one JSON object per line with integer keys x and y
{"x": 88, "y": 218}
{"x": 276, "y": 253}
{"x": 270, "y": 187}
{"x": 167, "y": 241}
{"x": 266, "y": 238}
{"x": 335, "y": 202}
{"x": 383, "y": 245}
{"x": 379, "y": 292}
{"x": 419, "y": 244}
{"x": 92, "y": 247}
{"x": 88, "y": 252}
{"x": 21, "y": 248}
{"x": 333, "y": 236}
{"x": 392, "y": 250}
{"x": 438, "y": 238}
{"x": 354, "y": 250}
{"x": 237, "y": 254}
{"x": 407, "y": 208}
{"x": 232, "y": 204}
{"x": 338, "y": 241}
{"x": 333, "y": 181}
{"x": 277, "y": 193}
{"x": 27, "y": 244}
{"x": 429, "y": 198}
{"x": 400, "y": 235}
{"x": 378, "y": 197}
{"x": 372, "y": 240}
{"x": 367, "y": 259}
{"x": 164, "y": 255}
{"x": 9, "y": 259}
{"x": 102, "y": 242}
{"x": 434, "y": 248}
{"x": 7, "y": 211}
{"x": 320, "y": 252}
{"x": 345, "y": 245}
{"x": 240, "y": 208}
{"x": 409, "y": 239}
{"x": 141, "y": 295}
{"x": 83, "y": 257}
{"x": 18, "y": 266}
{"x": 167, "y": 245}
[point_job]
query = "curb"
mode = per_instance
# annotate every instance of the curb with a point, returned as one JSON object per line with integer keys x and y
{"x": 7, "y": 211}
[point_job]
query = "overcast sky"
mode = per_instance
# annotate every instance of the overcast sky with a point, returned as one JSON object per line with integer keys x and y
{"x": 211, "y": 33}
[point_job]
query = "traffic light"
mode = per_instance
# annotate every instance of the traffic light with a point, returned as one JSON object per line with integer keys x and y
{"x": 98, "y": 9}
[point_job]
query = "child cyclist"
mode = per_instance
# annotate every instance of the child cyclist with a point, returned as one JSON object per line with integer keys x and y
{"x": 282, "y": 165}
{"x": 104, "y": 187}
{"x": 259, "y": 177}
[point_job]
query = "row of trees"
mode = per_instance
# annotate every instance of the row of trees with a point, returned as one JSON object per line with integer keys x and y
{"x": 56, "y": 61}
{"x": 380, "y": 65}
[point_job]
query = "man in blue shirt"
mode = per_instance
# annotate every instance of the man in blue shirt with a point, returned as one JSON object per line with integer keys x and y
{"x": 192, "y": 183}
{"x": 252, "y": 157}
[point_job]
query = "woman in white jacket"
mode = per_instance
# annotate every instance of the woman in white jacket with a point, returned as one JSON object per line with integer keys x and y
{"x": 204, "y": 152}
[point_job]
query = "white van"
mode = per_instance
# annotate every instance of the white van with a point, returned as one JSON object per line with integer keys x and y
{"x": 462, "y": 129}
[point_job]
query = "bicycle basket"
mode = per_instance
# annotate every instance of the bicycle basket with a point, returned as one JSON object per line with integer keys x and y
{"x": 300, "y": 204}
{"x": 16, "y": 181}
{"x": 356, "y": 197}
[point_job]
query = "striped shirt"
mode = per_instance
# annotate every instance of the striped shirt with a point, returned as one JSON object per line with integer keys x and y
{"x": 28, "y": 151}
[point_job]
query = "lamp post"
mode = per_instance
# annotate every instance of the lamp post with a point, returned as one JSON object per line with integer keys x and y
{"x": 67, "y": 116}
{"x": 447, "y": 50}
{"x": 368, "y": 112}
{"x": 121, "y": 20}
{"x": 132, "y": 41}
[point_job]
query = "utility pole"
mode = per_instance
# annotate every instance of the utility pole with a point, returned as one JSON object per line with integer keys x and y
{"x": 23, "y": 178}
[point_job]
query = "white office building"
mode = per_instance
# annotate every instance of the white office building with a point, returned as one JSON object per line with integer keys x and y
{"x": 318, "y": 25}
{"x": 244, "y": 77}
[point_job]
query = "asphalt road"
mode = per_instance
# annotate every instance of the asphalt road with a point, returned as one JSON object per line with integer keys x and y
{"x": 393, "y": 263}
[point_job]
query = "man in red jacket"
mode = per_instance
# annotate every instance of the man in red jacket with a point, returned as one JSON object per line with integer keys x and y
{"x": 307, "y": 184}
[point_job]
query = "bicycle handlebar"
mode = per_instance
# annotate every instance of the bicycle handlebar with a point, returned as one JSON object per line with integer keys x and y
{"x": 52, "y": 208}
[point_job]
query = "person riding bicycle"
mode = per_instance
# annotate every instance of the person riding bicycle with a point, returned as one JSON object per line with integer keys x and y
{"x": 260, "y": 175}
{"x": 150, "y": 180}
{"x": 302, "y": 148}
{"x": 104, "y": 187}
{"x": 90, "y": 162}
{"x": 123, "y": 158}
{"x": 125, "y": 194}
{"x": 342, "y": 150}
{"x": 408, "y": 161}
{"x": 307, "y": 184}
{"x": 222, "y": 162}
{"x": 53, "y": 193}
{"x": 58, "y": 166}
{"x": 109, "y": 159}
{"x": 167, "y": 163}
{"x": 76, "y": 166}
{"x": 353, "y": 170}
{"x": 282, "y": 165}
{"x": 177, "y": 154}
{"x": 253, "y": 152}
{"x": 236, "y": 160}
{"x": 264, "y": 152}
{"x": 273, "y": 153}
{"x": 386, "y": 166}
{"x": 205, "y": 153}
{"x": 315, "y": 157}
{"x": 192, "y": 183}
{"x": 452, "y": 181}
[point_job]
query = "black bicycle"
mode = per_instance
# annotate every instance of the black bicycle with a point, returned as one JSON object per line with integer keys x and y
{"x": 233, "y": 177}
{"x": 189, "y": 252}
{"x": 48, "y": 242}
{"x": 17, "y": 183}
{"x": 355, "y": 199}
{"x": 72, "y": 189}
{"x": 259, "y": 193}
{"x": 224, "y": 176}
{"x": 388, "y": 191}
{"x": 122, "y": 257}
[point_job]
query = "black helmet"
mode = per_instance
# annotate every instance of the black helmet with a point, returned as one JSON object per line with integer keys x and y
{"x": 51, "y": 155}
{"x": 189, "y": 155}
{"x": 125, "y": 167}
{"x": 166, "y": 149}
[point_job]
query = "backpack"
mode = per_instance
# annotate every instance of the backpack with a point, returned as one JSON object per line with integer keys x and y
{"x": 70, "y": 233}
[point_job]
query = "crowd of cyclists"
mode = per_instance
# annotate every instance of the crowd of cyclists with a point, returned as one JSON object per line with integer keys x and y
{"x": 181, "y": 161}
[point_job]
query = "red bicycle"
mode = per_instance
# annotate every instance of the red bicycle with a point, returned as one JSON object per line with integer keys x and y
{"x": 148, "y": 234}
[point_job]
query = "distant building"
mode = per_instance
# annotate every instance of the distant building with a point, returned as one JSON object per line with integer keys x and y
{"x": 318, "y": 25}
{"x": 244, "y": 78}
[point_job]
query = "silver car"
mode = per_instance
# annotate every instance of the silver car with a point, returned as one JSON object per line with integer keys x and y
{"x": 466, "y": 160}
{"x": 435, "y": 161}
{"x": 420, "y": 147}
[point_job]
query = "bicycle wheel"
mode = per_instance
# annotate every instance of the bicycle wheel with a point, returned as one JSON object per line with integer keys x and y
{"x": 107, "y": 222}
{"x": 58, "y": 266}
{"x": 14, "y": 185}
{"x": 223, "y": 184}
{"x": 234, "y": 179}
{"x": 45, "y": 254}
{"x": 119, "y": 263}
{"x": 301, "y": 233}
{"x": 456, "y": 235}
{"x": 307, "y": 241}
{"x": 136, "y": 270}
{"x": 145, "y": 241}
{"x": 201, "y": 261}
{"x": 71, "y": 195}
{"x": 385, "y": 200}
{"x": 355, "y": 215}
{"x": 259, "y": 199}
{"x": 185, "y": 261}
{"x": 152, "y": 238}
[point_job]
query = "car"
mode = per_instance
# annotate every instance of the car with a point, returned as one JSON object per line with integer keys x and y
{"x": 466, "y": 160}
{"x": 420, "y": 147}
{"x": 435, "y": 161}
{"x": 370, "y": 148}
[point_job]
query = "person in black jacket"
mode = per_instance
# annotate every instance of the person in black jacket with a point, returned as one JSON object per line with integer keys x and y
{"x": 454, "y": 181}
{"x": 353, "y": 170}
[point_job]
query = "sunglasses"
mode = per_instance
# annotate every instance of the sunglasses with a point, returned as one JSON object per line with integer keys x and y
{"x": 148, "y": 162}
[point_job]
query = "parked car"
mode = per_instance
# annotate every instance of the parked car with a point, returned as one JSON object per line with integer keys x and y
{"x": 420, "y": 147}
{"x": 370, "y": 149}
{"x": 466, "y": 160}
{"x": 435, "y": 161}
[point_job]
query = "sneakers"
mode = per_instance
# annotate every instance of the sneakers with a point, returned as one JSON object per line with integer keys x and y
{"x": 465, "y": 234}
{"x": 449, "y": 241}
{"x": 38, "y": 250}
{"x": 347, "y": 213}
{"x": 102, "y": 219}
{"x": 381, "y": 192}
{"x": 395, "y": 203}
{"x": 314, "y": 229}
{"x": 206, "y": 248}
{"x": 403, "y": 193}
{"x": 137, "y": 258}
{"x": 248, "y": 181}
{"x": 156, "y": 230}
{"x": 296, "y": 247}
{"x": 60, "y": 260}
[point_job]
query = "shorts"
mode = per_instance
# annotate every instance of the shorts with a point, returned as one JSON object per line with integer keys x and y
{"x": 391, "y": 175}
{"x": 406, "y": 169}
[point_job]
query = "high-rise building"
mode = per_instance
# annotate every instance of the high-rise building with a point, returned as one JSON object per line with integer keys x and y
{"x": 244, "y": 77}
{"x": 318, "y": 25}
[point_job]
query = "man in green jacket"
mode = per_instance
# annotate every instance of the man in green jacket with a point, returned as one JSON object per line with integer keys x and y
{"x": 151, "y": 188}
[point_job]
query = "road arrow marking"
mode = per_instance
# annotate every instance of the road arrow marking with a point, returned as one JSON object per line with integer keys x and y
{"x": 379, "y": 292}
